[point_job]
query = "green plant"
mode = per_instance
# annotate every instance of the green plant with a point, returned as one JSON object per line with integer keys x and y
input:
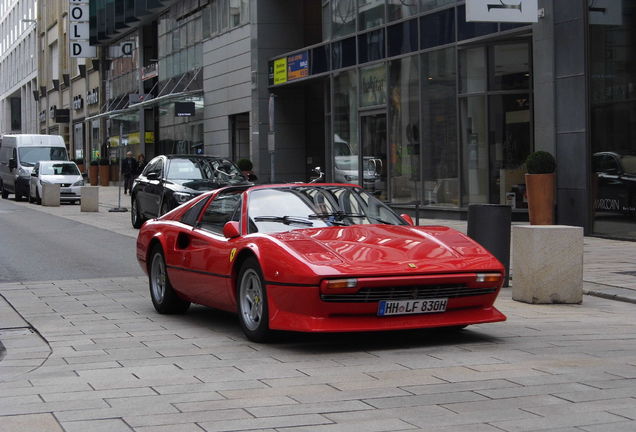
{"x": 79, "y": 161}
{"x": 540, "y": 162}
{"x": 244, "y": 164}
{"x": 104, "y": 162}
{"x": 94, "y": 162}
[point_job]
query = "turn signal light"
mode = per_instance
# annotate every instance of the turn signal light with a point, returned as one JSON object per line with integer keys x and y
{"x": 335, "y": 286}
{"x": 488, "y": 277}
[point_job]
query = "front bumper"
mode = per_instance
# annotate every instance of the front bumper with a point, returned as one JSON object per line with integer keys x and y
{"x": 71, "y": 193}
{"x": 301, "y": 309}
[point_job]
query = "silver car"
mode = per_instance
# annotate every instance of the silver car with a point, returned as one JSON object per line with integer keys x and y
{"x": 64, "y": 173}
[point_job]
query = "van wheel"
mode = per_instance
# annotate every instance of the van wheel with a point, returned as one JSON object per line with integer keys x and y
{"x": 5, "y": 193}
{"x": 18, "y": 197}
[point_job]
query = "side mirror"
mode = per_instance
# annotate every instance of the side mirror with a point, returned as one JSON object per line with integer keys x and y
{"x": 231, "y": 229}
{"x": 152, "y": 175}
{"x": 12, "y": 164}
{"x": 84, "y": 175}
{"x": 34, "y": 174}
{"x": 408, "y": 219}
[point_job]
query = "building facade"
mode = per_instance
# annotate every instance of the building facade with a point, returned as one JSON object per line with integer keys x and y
{"x": 18, "y": 67}
{"x": 68, "y": 87}
{"x": 407, "y": 98}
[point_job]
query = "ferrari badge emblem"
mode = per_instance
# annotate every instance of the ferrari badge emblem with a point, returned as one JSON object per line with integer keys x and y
{"x": 412, "y": 265}
{"x": 232, "y": 254}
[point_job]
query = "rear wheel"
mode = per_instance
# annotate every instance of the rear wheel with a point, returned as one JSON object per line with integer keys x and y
{"x": 252, "y": 302}
{"x": 164, "y": 298}
{"x": 37, "y": 196}
{"x": 5, "y": 193}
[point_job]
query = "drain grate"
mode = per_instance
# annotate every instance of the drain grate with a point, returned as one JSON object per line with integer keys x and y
{"x": 628, "y": 273}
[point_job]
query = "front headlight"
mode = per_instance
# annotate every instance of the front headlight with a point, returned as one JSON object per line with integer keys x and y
{"x": 23, "y": 173}
{"x": 182, "y": 197}
{"x": 79, "y": 183}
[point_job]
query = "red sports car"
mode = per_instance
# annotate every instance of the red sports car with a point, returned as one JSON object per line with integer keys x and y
{"x": 315, "y": 258}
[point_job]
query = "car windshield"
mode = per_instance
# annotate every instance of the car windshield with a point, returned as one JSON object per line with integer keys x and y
{"x": 29, "y": 156}
{"x": 289, "y": 208}
{"x": 217, "y": 170}
{"x": 59, "y": 169}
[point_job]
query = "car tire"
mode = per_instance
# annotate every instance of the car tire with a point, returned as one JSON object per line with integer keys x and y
{"x": 164, "y": 298}
{"x": 135, "y": 215}
{"x": 37, "y": 196}
{"x": 18, "y": 196}
{"x": 31, "y": 199}
{"x": 253, "y": 308}
{"x": 5, "y": 193}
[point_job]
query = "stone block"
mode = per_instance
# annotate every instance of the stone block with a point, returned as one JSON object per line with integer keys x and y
{"x": 50, "y": 195}
{"x": 90, "y": 199}
{"x": 547, "y": 264}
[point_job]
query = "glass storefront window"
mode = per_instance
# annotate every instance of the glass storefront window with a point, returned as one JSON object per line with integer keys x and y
{"x": 404, "y": 135}
{"x": 439, "y": 129}
{"x": 612, "y": 39}
{"x": 402, "y": 38}
{"x": 472, "y": 70}
{"x": 370, "y": 14}
{"x": 437, "y": 29}
{"x": 475, "y": 186}
{"x": 343, "y": 18}
{"x": 345, "y": 127}
{"x": 509, "y": 66}
{"x": 426, "y": 5}
{"x": 373, "y": 85}
{"x": 398, "y": 9}
{"x": 371, "y": 46}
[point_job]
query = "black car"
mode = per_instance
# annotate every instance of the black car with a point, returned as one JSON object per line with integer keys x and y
{"x": 170, "y": 180}
{"x": 616, "y": 184}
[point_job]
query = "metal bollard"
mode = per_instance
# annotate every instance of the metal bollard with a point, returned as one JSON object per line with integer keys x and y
{"x": 489, "y": 225}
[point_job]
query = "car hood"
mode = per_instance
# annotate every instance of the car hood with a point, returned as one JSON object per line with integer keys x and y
{"x": 388, "y": 249}
{"x": 51, "y": 178}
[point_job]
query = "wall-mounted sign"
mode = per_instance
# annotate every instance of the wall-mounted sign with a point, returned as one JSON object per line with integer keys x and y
{"x": 524, "y": 11}
{"x": 373, "y": 86}
{"x": 78, "y": 17}
{"x": 183, "y": 109}
{"x": 280, "y": 71}
{"x": 124, "y": 49}
{"x": 297, "y": 66}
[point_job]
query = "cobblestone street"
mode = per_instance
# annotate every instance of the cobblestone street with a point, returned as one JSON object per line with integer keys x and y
{"x": 105, "y": 361}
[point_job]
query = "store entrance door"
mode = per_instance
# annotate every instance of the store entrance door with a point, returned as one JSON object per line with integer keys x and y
{"x": 373, "y": 163}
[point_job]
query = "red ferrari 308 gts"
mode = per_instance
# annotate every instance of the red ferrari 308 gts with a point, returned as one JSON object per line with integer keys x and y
{"x": 315, "y": 258}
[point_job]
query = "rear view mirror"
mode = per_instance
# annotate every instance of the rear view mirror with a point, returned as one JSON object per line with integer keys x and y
{"x": 408, "y": 219}
{"x": 12, "y": 164}
{"x": 34, "y": 174}
{"x": 231, "y": 229}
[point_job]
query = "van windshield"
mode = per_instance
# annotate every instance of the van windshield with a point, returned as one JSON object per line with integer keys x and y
{"x": 29, "y": 156}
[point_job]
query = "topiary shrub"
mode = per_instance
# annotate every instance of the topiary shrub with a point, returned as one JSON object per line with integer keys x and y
{"x": 104, "y": 162}
{"x": 540, "y": 162}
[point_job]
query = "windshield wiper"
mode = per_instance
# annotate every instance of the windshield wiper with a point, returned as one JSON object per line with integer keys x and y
{"x": 287, "y": 220}
{"x": 338, "y": 215}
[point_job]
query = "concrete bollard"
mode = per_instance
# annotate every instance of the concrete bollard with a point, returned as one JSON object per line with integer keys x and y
{"x": 50, "y": 195}
{"x": 90, "y": 199}
{"x": 547, "y": 264}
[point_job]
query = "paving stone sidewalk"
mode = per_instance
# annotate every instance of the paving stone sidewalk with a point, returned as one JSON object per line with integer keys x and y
{"x": 103, "y": 360}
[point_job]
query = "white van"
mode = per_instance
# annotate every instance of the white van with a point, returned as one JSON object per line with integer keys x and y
{"x": 18, "y": 155}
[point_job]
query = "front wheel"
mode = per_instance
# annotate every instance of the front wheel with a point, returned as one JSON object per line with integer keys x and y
{"x": 135, "y": 215}
{"x": 252, "y": 302}
{"x": 5, "y": 193}
{"x": 164, "y": 298}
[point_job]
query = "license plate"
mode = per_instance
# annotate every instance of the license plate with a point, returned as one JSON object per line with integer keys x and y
{"x": 65, "y": 190}
{"x": 405, "y": 307}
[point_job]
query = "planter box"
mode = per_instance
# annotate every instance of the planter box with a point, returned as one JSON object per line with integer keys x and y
{"x": 93, "y": 171}
{"x": 104, "y": 175}
{"x": 547, "y": 264}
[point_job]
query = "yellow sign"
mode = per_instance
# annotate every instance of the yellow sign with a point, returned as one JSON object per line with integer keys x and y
{"x": 280, "y": 71}
{"x": 232, "y": 254}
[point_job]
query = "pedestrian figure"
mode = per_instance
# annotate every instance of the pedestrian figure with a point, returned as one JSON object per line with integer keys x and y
{"x": 141, "y": 163}
{"x": 245, "y": 165}
{"x": 129, "y": 171}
